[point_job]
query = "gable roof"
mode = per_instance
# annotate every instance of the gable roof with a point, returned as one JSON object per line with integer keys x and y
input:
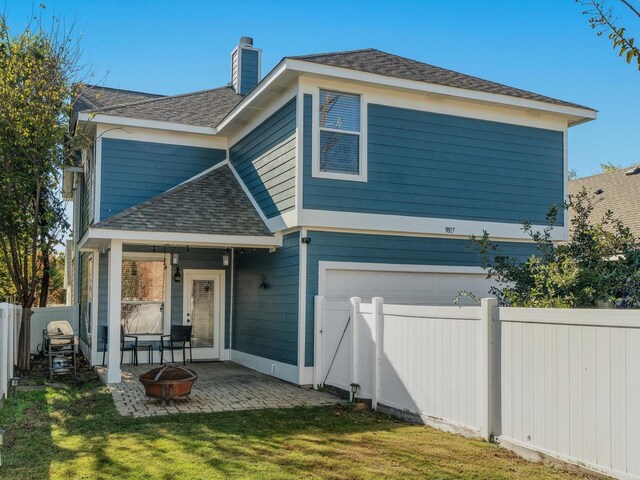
{"x": 95, "y": 97}
{"x": 203, "y": 108}
{"x": 207, "y": 108}
{"x": 620, "y": 194}
{"x": 213, "y": 203}
{"x": 375, "y": 61}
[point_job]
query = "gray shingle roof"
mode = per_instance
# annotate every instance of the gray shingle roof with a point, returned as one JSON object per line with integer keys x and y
{"x": 375, "y": 61}
{"x": 620, "y": 194}
{"x": 204, "y": 108}
{"x": 213, "y": 203}
{"x": 95, "y": 97}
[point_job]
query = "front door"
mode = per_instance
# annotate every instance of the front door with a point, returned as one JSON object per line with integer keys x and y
{"x": 203, "y": 309}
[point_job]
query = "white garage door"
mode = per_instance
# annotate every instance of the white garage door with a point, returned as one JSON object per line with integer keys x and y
{"x": 431, "y": 286}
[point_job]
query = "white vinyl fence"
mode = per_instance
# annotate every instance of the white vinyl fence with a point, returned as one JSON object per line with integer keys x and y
{"x": 560, "y": 382}
{"x": 9, "y": 321}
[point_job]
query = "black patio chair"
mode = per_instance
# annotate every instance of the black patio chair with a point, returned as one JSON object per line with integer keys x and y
{"x": 177, "y": 340}
{"x": 125, "y": 346}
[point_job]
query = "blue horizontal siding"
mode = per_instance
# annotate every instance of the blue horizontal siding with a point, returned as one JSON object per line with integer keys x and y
{"x": 133, "y": 171}
{"x": 352, "y": 247}
{"x": 249, "y": 73}
{"x": 196, "y": 258}
{"x": 265, "y": 160}
{"x": 266, "y": 319}
{"x": 433, "y": 165}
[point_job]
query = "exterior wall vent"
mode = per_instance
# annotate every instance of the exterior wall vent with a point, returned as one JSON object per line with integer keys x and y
{"x": 246, "y": 63}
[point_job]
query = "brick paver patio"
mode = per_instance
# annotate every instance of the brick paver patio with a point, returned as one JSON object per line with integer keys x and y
{"x": 221, "y": 387}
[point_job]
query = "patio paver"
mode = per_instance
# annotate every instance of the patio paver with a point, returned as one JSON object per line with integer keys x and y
{"x": 221, "y": 387}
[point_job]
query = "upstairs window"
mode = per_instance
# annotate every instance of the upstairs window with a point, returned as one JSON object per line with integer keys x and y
{"x": 339, "y": 121}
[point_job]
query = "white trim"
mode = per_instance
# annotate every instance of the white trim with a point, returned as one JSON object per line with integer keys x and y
{"x": 97, "y": 185}
{"x": 423, "y": 225}
{"x": 114, "y": 375}
{"x": 136, "y": 122}
{"x": 161, "y": 136}
{"x": 249, "y": 195}
{"x": 219, "y": 278}
{"x": 565, "y": 181}
{"x": 299, "y": 165}
{"x": 94, "y": 307}
{"x": 473, "y": 95}
{"x": 361, "y": 176}
{"x": 260, "y": 114}
{"x": 274, "y": 368}
{"x": 302, "y": 302}
{"x": 575, "y": 115}
{"x": 177, "y": 238}
{"x": 262, "y": 86}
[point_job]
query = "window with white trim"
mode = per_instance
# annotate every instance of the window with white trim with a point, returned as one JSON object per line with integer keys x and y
{"x": 143, "y": 290}
{"x": 340, "y": 131}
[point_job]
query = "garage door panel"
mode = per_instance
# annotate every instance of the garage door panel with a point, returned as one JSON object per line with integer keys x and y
{"x": 396, "y": 287}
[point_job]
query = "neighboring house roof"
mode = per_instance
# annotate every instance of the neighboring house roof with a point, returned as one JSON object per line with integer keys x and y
{"x": 375, "y": 61}
{"x": 204, "y": 108}
{"x": 619, "y": 192}
{"x": 213, "y": 203}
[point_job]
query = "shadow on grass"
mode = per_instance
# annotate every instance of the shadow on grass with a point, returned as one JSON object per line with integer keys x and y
{"x": 77, "y": 433}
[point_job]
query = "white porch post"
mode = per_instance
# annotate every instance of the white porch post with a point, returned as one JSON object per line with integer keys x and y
{"x": 114, "y": 375}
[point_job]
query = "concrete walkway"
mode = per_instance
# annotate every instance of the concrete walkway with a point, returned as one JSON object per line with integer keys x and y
{"x": 221, "y": 387}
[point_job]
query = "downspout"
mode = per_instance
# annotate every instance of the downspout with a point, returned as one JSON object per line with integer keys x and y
{"x": 233, "y": 267}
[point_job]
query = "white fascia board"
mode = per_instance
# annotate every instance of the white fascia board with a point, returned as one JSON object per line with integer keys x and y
{"x": 191, "y": 239}
{"x": 137, "y": 122}
{"x": 440, "y": 227}
{"x": 263, "y": 85}
{"x": 355, "y": 75}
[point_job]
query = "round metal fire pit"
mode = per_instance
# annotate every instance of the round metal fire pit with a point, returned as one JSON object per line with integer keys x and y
{"x": 168, "y": 383}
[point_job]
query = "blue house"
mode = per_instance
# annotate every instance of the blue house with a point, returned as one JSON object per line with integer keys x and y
{"x": 357, "y": 173}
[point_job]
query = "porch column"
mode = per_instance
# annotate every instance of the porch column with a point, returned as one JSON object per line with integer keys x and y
{"x": 114, "y": 375}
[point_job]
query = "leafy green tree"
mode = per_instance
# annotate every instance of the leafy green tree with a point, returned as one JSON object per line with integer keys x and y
{"x": 598, "y": 267}
{"x": 609, "y": 167}
{"x": 603, "y": 19}
{"x": 38, "y": 70}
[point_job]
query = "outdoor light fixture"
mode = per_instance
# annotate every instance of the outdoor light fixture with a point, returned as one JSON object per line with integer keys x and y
{"x": 225, "y": 260}
{"x": 14, "y": 383}
{"x": 174, "y": 259}
{"x": 177, "y": 276}
{"x": 306, "y": 240}
{"x": 134, "y": 269}
{"x": 354, "y": 390}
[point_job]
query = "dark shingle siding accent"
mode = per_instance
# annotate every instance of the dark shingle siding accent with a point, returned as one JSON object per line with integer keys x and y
{"x": 374, "y": 61}
{"x": 211, "y": 204}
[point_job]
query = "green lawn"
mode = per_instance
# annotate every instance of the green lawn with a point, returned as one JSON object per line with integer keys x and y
{"x": 76, "y": 433}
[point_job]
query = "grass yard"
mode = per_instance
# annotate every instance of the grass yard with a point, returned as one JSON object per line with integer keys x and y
{"x": 76, "y": 433}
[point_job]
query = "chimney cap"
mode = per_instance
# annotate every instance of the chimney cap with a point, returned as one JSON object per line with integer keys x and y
{"x": 248, "y": 41}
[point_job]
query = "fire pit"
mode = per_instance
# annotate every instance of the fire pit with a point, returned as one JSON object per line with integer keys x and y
{"x": 168, "y": 383}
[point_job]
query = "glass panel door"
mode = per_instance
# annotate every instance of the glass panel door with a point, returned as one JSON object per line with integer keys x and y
{"x": 203, "y": 309}
{"x": 201, "y": 315}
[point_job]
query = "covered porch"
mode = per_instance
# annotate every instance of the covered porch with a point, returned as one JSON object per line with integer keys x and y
{"x": 165, "y": 264}
{"x": 221, "y": 387}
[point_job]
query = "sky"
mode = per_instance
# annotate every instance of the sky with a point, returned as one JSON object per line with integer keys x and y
{"x": 545, "y": 46}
